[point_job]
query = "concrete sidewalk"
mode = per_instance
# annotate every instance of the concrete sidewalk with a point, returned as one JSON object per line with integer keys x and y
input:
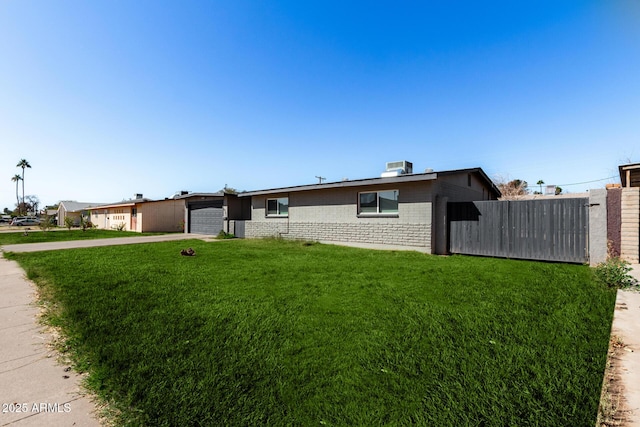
{"x": 35, "y": 389}
{"x": 626, "y": 363}
{"x": 50, "y": 246}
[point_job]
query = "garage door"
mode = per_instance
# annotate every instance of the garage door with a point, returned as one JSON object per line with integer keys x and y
{"x": 205, "y": 220}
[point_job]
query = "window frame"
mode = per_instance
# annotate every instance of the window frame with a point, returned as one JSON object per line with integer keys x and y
{"x": 379, "y": 212}
{"x": 279, "y": 213}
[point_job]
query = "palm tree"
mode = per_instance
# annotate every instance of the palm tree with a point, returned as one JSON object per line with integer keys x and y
{"x": 23, "y": 163}
{"x": 17, "y": 178}
{"x": 540, "y": 182}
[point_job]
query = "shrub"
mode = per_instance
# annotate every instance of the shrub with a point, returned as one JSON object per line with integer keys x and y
{"x": 46, "y": 223}
{"x": 119, "y": 227}
{"x": 68, "y": 222}
{"x": 224, "y": 235}
{"x": 614, "y": 272}
{"x": 86, "y": 224}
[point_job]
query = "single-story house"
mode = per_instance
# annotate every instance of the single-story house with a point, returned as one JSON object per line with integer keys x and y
{"x": 140, "y": 214}
{"x": 201, "y": 213}
{"x": 74, "y": 210}
{"x": 400, "y": 208}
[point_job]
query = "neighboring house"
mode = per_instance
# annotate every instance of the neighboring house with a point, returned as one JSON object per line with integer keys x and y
{"x": 141, "y": 215}
{"x": 201, "y": 213}
{"x": 630, "y": 175}
{"x": 52, "y": 215}
{"x": 74, "y": 210}
{"x": 397, "y": 209}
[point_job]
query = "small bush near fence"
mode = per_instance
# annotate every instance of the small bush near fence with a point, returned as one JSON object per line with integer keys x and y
{"x": 615, "y": 273}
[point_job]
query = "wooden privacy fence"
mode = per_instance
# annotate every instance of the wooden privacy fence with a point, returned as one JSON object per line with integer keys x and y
{"x": 549, "y": 230}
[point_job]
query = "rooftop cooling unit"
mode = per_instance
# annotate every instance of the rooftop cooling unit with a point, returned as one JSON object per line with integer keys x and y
{"x": 398, "y": 168}
{"x": 407, "y": 167}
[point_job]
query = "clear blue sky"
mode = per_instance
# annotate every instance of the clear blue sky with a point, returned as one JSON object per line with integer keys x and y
{"x": 110, "y": 98}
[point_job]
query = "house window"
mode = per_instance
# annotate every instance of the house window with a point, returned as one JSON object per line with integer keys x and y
{"x": 278, "y": 207}
{"x": 378, "y": 202}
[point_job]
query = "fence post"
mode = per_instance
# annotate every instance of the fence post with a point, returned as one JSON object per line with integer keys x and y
{"x": 597, "y": 241}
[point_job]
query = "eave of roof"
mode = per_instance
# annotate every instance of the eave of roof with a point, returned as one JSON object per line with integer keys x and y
{"x": 73, "y": 206}
{"x": 416, "y": 177}
{"x": 124, "y": 203}
{"x": 481, "y": 173}
{"x": 634, "y": 174}
{"x": 343, "y": 184}
{"x": 192, "y": 195}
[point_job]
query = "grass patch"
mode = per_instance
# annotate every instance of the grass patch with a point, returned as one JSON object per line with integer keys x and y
{"x": 38, "y": 236}
{"x": 286, "y": 333}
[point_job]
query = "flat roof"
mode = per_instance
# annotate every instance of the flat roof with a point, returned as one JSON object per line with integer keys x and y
{"x": 343, "y": 184}
{"x": 119, "y": 204}
{"x": 191, "y": 195}
{"x": 414, "y": 177}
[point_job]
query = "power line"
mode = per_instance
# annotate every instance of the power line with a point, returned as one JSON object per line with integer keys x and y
{"x": 588, "y": 182}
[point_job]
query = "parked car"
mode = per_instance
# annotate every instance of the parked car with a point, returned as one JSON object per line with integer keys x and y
{"x": 26, "y": 221}
{"x": 5, "y": 218}
{"x": 17, "y": 218}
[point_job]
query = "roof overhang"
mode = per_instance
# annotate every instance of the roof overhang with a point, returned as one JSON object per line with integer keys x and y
{"x": 417, "y": 177}
{"x": 344, "y": 184}
{"x": 630, "y": 175}
{"x": 115, "y": 205}
{"x": 200, "y": 195}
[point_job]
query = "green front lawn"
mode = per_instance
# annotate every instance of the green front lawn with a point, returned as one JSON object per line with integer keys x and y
{"x": 35, "y": 235}
{"x": 289, "y": 333}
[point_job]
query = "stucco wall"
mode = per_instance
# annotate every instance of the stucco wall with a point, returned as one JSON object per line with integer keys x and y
{"x": 63, "y": 214}
{"x": 597, "y": 226}
{"x": 111, "y": 218}
{"x": 332, "y": 215}
{"x": 98, "y": 218}
{"x": 160, "y": 216}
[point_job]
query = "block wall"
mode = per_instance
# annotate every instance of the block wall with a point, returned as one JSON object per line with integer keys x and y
{"x": 614, "y": 220}
{"x": 630, "y": 225}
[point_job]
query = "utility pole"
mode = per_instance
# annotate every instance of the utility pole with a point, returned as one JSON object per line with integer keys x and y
{"x": 320, "y": 179}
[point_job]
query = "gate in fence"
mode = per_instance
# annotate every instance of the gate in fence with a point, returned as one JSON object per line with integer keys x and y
{"x": 549, "y": 230}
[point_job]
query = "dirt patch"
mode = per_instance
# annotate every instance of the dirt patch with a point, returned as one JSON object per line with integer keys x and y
{"x": 613, "y": 409}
